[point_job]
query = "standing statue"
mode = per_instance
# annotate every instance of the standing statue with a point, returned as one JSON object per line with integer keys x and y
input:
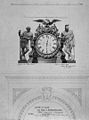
{"x": 24, "y": 43}
{"x": 68, "y": 42}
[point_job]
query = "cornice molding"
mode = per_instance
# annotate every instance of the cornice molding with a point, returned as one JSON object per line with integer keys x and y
{"x": 44, "y": 77}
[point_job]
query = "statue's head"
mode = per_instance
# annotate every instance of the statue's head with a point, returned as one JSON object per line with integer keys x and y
{"x": 67, "y": 27}
{"x": 28, "y": 28}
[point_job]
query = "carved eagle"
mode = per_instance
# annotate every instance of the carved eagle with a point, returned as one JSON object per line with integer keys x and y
{"x": 47, "y": 22}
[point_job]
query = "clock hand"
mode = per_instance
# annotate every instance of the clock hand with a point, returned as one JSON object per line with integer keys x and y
{"x": 47, "y": 46}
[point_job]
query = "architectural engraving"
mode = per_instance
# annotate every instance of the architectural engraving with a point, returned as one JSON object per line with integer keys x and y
{"x": 46, "y": 93}
{"x": 76, "y": 92}
{"x": 48, "y": 45}
{"x": 45, "y": 106}
{"x": 18, "y": 92}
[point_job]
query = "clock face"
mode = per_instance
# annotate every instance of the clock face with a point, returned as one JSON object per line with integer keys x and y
{"x": 46, "y": 44}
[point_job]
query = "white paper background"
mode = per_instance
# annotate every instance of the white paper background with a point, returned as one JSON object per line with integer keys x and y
{"x": 15, "y": 17}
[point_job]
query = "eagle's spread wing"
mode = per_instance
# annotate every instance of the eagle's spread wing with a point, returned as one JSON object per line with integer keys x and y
{"x": 40, "y": 20}
{"x": 55, "y": 20}
{"x": 47, "y": 22}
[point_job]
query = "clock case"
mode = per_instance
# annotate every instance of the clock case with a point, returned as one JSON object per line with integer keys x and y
{"x": 48, "y": 30}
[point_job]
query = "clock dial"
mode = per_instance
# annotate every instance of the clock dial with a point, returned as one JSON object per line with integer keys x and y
{"x": 46, "y": 43}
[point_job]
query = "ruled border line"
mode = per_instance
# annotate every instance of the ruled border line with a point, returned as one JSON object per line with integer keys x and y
{"x": 63, "y": 17}
{"x": 47, "y": 4}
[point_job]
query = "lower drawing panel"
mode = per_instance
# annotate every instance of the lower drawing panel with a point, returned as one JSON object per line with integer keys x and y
{"x": 45, "y": 100}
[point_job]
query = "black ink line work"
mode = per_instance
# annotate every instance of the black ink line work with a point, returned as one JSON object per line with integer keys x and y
{"x": 47, "y": 44}
{"x": 47, "y": 17}
{"x": 47, "y": 4}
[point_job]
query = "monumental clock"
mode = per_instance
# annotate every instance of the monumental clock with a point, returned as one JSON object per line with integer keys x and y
{"x": 46, "y": 43}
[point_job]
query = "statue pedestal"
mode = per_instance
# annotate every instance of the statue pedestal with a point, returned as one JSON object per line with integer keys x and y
{"x": 22, "y": 61}
{"x": 51, "y": 60}
{"x": 71, "y": 61}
